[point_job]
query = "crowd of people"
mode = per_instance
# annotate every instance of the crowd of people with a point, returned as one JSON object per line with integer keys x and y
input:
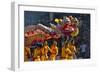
{"x": 45, "y": 52}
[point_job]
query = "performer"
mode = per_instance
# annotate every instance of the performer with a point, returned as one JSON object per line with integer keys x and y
{"x": 44, "y": 51}
{"x": 53, "y": 51}
{"x": 36, "y": 54}
{"x": 63, "y": 54}
{"x": 27, "y": 53}
{"x": 68, "y": 52}
{"x": 72, "y": 48}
